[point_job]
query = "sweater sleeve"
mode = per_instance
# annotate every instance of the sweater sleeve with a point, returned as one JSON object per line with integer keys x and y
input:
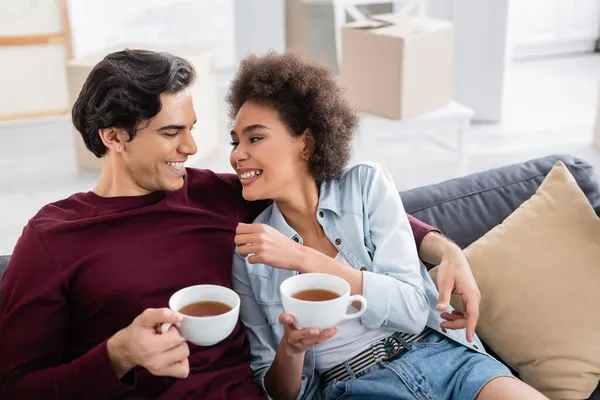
{"x": 419, "y": 229}
{"x": 34, "y": 326}
{"x": 249, "y": 210}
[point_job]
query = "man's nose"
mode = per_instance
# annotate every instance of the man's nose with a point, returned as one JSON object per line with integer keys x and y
{"x": 188, "y": 144}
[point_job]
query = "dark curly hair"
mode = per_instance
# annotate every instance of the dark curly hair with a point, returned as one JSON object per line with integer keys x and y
{"x": 306, "y": 96}
{"x": 124, "y": 89}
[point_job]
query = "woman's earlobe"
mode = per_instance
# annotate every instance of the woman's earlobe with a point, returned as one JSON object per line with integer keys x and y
{"x": 309, "y": 144}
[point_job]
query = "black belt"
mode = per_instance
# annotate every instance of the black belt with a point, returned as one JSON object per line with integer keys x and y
{"x": 381, "y": 350}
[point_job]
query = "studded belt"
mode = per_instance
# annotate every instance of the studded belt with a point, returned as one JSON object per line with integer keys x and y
{"x": 381, "y": 350}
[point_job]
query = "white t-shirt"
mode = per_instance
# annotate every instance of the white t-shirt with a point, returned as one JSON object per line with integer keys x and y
{"x": 351, "y": 339}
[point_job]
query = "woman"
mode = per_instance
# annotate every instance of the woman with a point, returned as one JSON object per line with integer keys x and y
{"x": 291, "y": 143}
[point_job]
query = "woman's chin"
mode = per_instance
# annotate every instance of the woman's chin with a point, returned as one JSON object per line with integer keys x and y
{"x": 252, "y": 195}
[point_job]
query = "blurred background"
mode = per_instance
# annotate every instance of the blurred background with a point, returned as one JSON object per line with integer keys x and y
{"x": 445, "y": 87}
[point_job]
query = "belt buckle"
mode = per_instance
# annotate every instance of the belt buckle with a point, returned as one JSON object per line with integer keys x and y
{"x": 393, "y": 339}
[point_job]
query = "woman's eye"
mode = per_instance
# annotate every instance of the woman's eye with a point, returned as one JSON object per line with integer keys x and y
{"x": 255, "y": 139}
{"x": 233, "y": 143}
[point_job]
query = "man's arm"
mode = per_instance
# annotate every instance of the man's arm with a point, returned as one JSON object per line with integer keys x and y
{"x": 434, "y": 247}
{"x": 34, "y": 321}
{"x": 454, "y": 276}
{"x": 420, "y": 229}
{"x": 34, "y": 324}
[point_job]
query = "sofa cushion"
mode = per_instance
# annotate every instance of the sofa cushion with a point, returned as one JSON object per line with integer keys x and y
{"x": 464, "y": 209}
{"x": 538, "y": 274}
{"x": 3, "y": 265}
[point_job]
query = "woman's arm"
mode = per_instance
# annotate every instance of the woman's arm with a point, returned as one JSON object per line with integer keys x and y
{"x": 277, "y": 366}
{"x": 394, "y": 287}
{"x": 260, "y": 335}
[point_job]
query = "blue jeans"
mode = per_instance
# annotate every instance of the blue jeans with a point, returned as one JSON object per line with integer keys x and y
{"x": 435, "y": 369}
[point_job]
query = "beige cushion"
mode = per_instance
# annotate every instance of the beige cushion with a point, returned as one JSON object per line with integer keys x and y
{"x": 539, "y": 275}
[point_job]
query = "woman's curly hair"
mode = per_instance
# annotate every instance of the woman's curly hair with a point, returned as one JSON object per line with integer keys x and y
{"x": 306, "y": 96}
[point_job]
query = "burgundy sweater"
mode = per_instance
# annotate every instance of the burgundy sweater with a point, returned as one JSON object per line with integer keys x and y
{"x": 86, "y": 266}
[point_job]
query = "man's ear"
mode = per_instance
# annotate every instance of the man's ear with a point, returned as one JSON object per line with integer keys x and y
{"x": 114, "y": 138}
{"x": 309, "y": 144}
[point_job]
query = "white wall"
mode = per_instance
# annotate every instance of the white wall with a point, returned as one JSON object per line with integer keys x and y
{"x": 480, "y": 58}
{"x": 554, "y": 27}
{"x": 260, "y": 26}
{"x": 97, "y": 24}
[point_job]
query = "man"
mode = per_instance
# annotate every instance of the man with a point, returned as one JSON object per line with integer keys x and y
{"x": 91, "y": 274}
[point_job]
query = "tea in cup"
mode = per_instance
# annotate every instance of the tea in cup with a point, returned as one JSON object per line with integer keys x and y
{"x": 319, "y": 300}
{"x": 210, "y": 313}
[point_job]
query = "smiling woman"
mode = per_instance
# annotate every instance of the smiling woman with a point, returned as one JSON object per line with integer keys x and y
{"x": 290, "y": 143}
{"x": 310, "y": 104}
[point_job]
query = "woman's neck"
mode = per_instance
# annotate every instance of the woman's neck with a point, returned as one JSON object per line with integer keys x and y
{"x": 299, "y": 208}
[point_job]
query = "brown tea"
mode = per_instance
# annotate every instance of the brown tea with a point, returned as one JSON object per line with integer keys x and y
{"x": 205, "y": 309}
{"x": 316, "y": 295}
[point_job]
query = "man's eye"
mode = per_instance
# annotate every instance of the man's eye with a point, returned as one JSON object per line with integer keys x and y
{"x": 171, "y": 134}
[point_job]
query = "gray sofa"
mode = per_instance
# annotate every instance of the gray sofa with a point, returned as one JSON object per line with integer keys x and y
{"x": 468, "y": 207}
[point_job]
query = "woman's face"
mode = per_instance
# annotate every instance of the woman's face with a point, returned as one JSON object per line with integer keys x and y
{"x": 265, "y": 155}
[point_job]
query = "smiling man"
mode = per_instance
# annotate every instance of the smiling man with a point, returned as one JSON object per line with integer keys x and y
{"x": 88, "y": 281}
{"x": 91, "y": 274}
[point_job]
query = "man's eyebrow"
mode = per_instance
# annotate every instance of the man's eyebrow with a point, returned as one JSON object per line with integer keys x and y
{"x": 174, "y": 127}
{"x": 171, "y": 127}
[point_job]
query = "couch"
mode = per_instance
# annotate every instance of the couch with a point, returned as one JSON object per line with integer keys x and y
{"x": 466, "y": 208}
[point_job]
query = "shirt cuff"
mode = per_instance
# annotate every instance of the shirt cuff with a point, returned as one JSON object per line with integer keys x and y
{"x": 105, "y": 376}
{"x": 376, "y": 289}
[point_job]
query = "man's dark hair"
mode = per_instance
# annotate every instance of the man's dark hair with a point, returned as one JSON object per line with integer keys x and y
{"x": 124, "y": 89}
{"x": 307, "y": 97}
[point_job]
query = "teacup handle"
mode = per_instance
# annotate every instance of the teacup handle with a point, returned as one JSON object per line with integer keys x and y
{"x": 363, "y": 306}
{"x": 164, "y": 328}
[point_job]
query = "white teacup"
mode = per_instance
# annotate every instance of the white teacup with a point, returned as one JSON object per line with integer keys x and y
{"x": 319, "y": 314}
{"x": 209, "y": 330}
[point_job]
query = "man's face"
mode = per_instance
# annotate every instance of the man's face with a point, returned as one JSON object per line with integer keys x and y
{"x": 154, "y": 159}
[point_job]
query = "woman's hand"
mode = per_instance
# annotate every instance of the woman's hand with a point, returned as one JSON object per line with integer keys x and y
{"x": 297, "y": 340}
{"x": 283, "y": 380}
{"x": 267, "y": 246}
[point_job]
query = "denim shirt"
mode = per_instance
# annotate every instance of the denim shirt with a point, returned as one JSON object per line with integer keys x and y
{"x": 362, "y": 215}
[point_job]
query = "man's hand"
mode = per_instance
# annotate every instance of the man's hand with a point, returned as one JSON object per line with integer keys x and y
{"x": 267, "y": 246}
{"x": 454, "y": 276}
{"x": 142, "y": 344}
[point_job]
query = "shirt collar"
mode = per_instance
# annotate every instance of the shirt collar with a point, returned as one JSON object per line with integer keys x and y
{"x": 329, "y": 196}
{"x": 329, "y": 199}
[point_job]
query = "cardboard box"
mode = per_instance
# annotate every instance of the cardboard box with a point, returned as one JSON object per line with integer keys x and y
{"x": 398, "y": 67}
{"x": 33, "y": 81}
{"x": 310, "y": 31}
{"x": 204, "y": 92}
